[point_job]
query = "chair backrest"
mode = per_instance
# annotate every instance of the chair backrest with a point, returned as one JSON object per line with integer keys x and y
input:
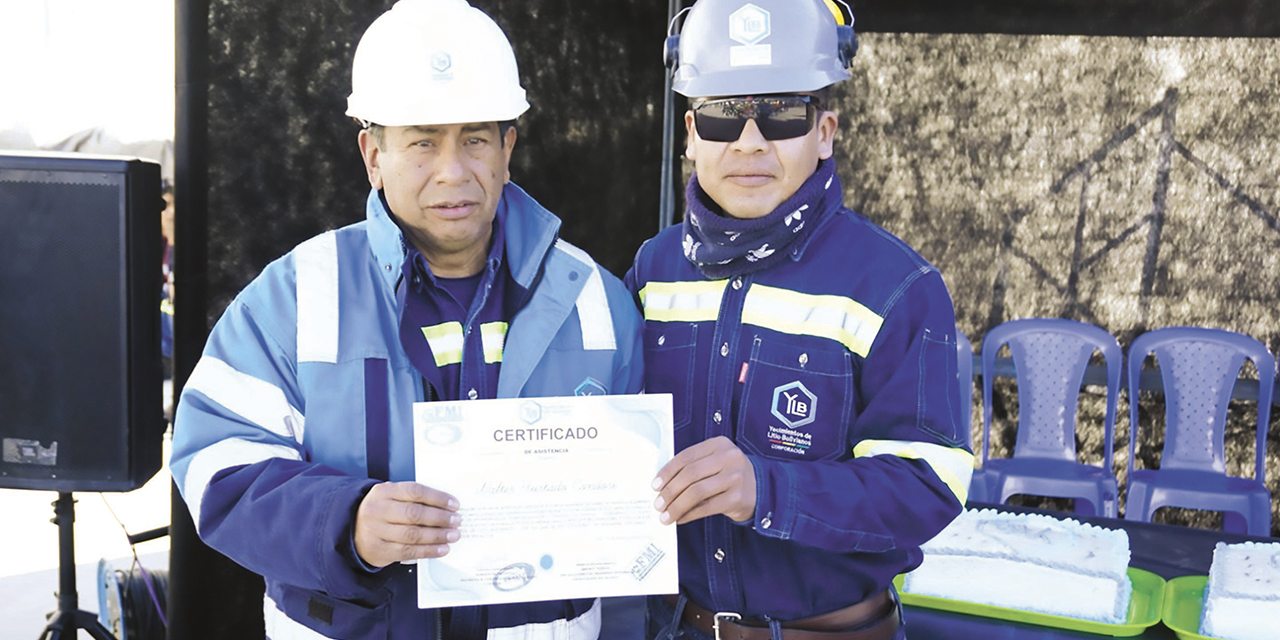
{"x": 964, "y": 375}
{"x": 1198, "y": 369}
{"x": 1050, "y": 356}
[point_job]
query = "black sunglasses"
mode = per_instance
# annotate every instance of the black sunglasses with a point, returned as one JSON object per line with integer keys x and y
{"x": 777, "y": 117}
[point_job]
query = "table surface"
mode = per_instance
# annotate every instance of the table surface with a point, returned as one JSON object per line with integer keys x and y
{"x": 1165, "y": 550}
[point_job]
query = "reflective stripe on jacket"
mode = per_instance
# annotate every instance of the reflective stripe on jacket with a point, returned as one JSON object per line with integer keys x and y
{"x": 304, "y": 394}
{"x": 835, "y": 373}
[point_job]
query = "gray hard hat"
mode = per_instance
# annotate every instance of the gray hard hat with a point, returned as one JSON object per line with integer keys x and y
{"x": 753, "y": 47}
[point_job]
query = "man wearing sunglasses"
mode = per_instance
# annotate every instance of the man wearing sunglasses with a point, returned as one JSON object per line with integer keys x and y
{"x": 810, "y": 354}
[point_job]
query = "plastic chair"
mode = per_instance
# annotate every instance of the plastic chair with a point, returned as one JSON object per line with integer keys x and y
{"x": 1050, "y": 356}
{"x": 964, "y": 412}
{"x": 1198, "y": 368}
{"x": 964, "y": 371}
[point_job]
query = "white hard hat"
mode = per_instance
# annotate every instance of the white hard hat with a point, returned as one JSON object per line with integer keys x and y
{"x": 429, "y": 62}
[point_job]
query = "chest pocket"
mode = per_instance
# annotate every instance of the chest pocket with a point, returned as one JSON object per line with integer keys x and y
{"x": 668, "y": 365}
{"x": 797, "y": 401}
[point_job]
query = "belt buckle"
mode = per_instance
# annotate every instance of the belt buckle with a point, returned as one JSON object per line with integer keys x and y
{"x": 715, "y": 621}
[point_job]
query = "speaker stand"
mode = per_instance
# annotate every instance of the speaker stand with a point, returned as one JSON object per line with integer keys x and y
{"x": 64, "y": 622}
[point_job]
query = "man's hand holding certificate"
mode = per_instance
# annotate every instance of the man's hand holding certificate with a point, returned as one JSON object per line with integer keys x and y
{"x": 554, "y": 497}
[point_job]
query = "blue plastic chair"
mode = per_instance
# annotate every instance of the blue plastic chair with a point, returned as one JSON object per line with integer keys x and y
{"x": 964, "y": 375}
{"x": 1050, "y": 356}
{"x": 1198, "y": 368}
{"x": 964, "y": 412}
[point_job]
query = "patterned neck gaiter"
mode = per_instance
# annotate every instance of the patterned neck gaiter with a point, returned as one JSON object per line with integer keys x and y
{"x": 722, "y": 246}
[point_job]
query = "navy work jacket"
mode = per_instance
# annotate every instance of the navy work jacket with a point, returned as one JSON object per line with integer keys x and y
{"x": 835, "y": 373}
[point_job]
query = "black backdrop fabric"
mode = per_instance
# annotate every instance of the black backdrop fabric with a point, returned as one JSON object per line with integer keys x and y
{"x": 282, "y": 158}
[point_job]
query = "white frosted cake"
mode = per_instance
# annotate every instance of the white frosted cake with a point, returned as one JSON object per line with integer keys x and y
{"x": 1242, "y": 599}
{"x": 1030, "y": 562}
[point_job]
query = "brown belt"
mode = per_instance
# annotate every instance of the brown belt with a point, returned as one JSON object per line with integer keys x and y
{"x": 875, "y": 618}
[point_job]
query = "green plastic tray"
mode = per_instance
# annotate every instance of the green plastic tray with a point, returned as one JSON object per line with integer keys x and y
{"x": 1144, "y": 608}
{"x": 1183, "y": 604}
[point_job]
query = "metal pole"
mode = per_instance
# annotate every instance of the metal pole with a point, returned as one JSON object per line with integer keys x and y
{"x": 667, "y": 197}
{"x": 64, "y": 510}
{"x": 69, "y": 619}
{"x": 210, "y": 597}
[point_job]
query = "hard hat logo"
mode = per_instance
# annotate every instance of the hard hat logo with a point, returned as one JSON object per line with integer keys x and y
{"x": 749, "y": 24}
{"x": 440, "y": 62}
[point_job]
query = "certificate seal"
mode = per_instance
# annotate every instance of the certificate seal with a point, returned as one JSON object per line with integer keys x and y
{"x": 442, "y": 434}
{"x": 513, "y": 576}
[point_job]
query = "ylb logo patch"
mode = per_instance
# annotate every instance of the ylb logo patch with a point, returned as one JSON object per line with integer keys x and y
{"x": 749, "y": 24}
{"x": 794, "y": 405}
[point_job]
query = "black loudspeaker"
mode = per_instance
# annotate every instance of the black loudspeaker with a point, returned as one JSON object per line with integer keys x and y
{"x": 80, "y": 283}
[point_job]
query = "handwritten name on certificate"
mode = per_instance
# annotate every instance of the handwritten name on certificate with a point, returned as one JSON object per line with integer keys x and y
{"x": 554, "y": 494}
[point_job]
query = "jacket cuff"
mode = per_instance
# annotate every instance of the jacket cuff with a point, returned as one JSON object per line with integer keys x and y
{"x": 775, "y": 499}
{"x": 350, "y": 576}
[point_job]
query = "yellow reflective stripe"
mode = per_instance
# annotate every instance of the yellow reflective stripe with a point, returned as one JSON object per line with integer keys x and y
{"x": 166, "y": 307}
{"x": 833, "y": 317}
{"x": 493, "y": 335}
{"x": 682, "y": 301}
{"x": 953, "y": 465}
{"x": 446, "y": 342}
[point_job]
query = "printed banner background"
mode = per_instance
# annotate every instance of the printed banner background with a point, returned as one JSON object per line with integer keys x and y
{"x": 1132, "y": 183}
{"x": 1128, "y": 182}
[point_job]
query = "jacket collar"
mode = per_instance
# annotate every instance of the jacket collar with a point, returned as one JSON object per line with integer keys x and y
{"x": 530, "y": 232}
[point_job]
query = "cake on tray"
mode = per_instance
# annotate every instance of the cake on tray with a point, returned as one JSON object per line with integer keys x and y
{"x": 1242, "y": 597}
{"x": 1029, "y": 562}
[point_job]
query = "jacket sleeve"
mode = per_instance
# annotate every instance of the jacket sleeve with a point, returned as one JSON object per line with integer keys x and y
{"x": 240, "y": 464}
{"x": 909, "y": 471}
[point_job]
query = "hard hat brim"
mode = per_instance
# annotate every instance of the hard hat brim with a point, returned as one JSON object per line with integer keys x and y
{"x": 749, "y": 81}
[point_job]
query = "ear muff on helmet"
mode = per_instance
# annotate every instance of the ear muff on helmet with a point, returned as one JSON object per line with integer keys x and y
{"x": 671, "y": 51}
{"x": 846, "y": 44}
{"x": 846, "y": 39}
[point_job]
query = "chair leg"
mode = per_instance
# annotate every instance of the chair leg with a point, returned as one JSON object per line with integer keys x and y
{"x": 1110, "y": 506}
{"x": 1260, "y": 515}
{"x": 1086, "y": 506}
{"x": 1233, "y": 522}
{"x": 1101, "y": 503}
{"x": 1138, "y": 503}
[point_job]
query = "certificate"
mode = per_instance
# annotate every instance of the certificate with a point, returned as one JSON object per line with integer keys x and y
{"x": 554, "y": 494}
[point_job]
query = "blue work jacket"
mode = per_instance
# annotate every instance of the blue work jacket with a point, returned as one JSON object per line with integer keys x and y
{"x": 303, "y": 398}
{"x": 834, "y": 371}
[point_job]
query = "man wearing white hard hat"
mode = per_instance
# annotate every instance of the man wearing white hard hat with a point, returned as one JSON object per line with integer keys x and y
{"x": 811, "y": 355}
{"x": 293, "y": 444}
